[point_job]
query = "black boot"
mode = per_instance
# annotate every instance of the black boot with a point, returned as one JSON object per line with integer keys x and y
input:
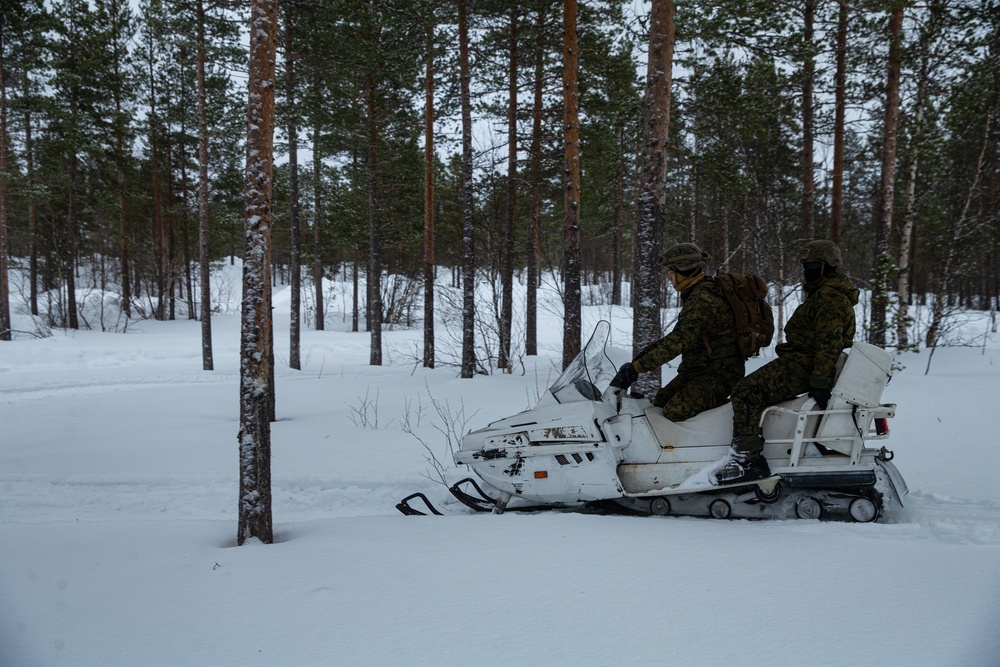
{"x": 745, "y": 461}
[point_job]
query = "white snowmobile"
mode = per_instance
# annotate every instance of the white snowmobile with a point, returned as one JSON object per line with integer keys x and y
{"x": 616, "y": 452}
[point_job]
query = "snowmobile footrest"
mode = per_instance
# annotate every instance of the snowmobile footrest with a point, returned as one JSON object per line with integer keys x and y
{"x": 483, "y": 503}
{"x": 404, "y": 505}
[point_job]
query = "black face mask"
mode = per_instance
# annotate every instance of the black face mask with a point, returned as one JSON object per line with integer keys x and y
{"x": 813, "y": 271}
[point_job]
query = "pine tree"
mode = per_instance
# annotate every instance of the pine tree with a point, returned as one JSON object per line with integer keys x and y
{"x": 429, "y": 163}
{"x": 290, "y": 17}
{"x": 571, "y": 184}
{"x": 256, "y": 342}
{"x": 646, "y": 273}
{"x": 468, "y": 247}
{"x": 882, "y": 266}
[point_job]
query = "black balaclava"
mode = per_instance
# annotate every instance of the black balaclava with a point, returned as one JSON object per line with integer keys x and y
{"x": 813, "y": 271}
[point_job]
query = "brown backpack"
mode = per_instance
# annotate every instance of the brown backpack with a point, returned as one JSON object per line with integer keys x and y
{"x": 747, "y": 296}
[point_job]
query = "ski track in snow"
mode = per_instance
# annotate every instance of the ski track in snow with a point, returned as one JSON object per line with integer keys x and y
{"x": 15, "y": 395}
{"x": 952, "y": 520}
{"x": 44, "y": 499}
{"x": 41, "y": 499}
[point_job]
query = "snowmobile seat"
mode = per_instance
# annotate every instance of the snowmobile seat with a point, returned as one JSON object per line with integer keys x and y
{"x": 859, "y": 384}
{"x": 842, "y": 428}
{"x": 709, "y": 428}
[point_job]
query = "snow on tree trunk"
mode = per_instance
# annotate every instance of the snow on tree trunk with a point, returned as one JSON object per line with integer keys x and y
{"x": 5, "y": 325}
{"x": 571, "y": 187}
{"x": 507, "y": 253}
{"x": 647, "y": 275}
{"x": 468, "y": 248}
{"x": 317, "y": 231}
{"x": 255, "y": 340}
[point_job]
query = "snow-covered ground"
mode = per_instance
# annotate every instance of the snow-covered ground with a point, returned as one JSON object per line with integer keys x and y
{"x": 119, "y": 482}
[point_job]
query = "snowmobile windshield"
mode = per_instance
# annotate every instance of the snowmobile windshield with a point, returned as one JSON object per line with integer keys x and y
{"x": 590, "y": 369}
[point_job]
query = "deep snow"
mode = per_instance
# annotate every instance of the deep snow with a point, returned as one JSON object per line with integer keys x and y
{"x": 118, "y": 490}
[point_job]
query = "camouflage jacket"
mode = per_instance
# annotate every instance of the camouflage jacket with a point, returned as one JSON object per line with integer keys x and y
{"x": 697, "y": 336}
{"x": 820, "y": 328}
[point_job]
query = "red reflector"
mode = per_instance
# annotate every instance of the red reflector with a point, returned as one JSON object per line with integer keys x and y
{"x": 881, "y": 425}
{"x": 541, "y": 474}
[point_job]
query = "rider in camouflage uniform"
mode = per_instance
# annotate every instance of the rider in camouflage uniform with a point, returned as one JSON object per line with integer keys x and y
{"x": 815, "y": 335}
{"x": 711, "y": 362}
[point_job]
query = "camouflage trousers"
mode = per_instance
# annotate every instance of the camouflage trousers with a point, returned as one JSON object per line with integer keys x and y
{"x": 772, "y": 383}
{"x": 685, "y": 395}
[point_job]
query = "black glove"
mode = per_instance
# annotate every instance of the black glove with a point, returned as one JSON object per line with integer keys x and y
{"x": 821, "y": 396}
{"x": 625, "y": 377}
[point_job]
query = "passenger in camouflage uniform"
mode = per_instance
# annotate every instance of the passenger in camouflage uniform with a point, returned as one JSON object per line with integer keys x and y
{"x": 704, "y": 338}
{"x": 815, "y": 335}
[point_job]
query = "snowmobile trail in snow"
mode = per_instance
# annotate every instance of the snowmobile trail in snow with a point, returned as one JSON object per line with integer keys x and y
{"x": 44, "y": 391}
{"x": 953, "y": 520}
{"x": 45, "y": 498}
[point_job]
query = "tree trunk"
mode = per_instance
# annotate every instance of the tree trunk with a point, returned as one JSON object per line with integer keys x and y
{"x": 170, "y": 280}
{"x": 910, "y": 208}
{"x": 619, "y": 224}
{"x": 159, "y": 238}
{"x": 468, "y": 248}
{"x": 204, "y": 256}
{"x": 294, "y": 360}
{"x": 317, "y": 229}
{"x": 374, "y": 227}
{"x": 808, "y": 179}
{"x": 355, "y": 310}
{"x": 724, "y": 231}
{"x": 882, "y": 268}
{"x": 5, "y": 321}
{"x": 535, "y": 214}
{"x": 507, "y": 252}
{"x": 255, "y": 342}
{"x": 429, "y": 271}
{"x": 69, "y": 259}
{"x": 571, "y": 187}
{"x": 29, "y": 166}
{"x": 647, "y": 276}
{"x": 840, "y": 103}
